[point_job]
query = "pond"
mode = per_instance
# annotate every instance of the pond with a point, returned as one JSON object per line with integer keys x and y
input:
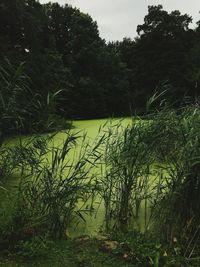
{"x": 93, "y": 222}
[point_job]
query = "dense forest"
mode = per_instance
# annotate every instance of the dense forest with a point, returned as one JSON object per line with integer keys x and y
{"x": 68, "y": 71}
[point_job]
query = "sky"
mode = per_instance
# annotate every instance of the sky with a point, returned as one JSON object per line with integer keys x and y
{"x": 119, "y": 18}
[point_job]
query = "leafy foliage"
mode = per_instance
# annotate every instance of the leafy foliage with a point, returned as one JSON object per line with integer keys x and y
{"x": 63, "y": 51}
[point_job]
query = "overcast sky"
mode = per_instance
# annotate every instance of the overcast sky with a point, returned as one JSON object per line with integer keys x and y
{"x": 119, "y": 18}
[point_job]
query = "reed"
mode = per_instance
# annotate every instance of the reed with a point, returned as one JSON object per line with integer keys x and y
{"x": 126, "y": 177}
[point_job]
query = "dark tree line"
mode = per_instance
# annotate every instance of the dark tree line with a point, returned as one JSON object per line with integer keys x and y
{"x": 63, "y": 52}
{"x": 166, "y": 52}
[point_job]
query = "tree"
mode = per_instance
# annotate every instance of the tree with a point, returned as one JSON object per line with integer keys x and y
{"x": 161, "y": 50}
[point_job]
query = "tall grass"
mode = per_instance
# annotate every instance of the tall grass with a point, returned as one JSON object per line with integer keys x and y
{"x": 23, "y": 108}
{"x": 178, "y": 208}
{"x": 53, "y": 188}
{"x": 146, "y": 174}
{"x": 127, "y": 176}
{"x": 153, "y": 166}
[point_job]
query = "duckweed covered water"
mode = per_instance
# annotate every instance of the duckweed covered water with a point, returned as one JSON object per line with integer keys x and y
{"x": 92, "y": 222}
{"x": 90, "y": 128}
